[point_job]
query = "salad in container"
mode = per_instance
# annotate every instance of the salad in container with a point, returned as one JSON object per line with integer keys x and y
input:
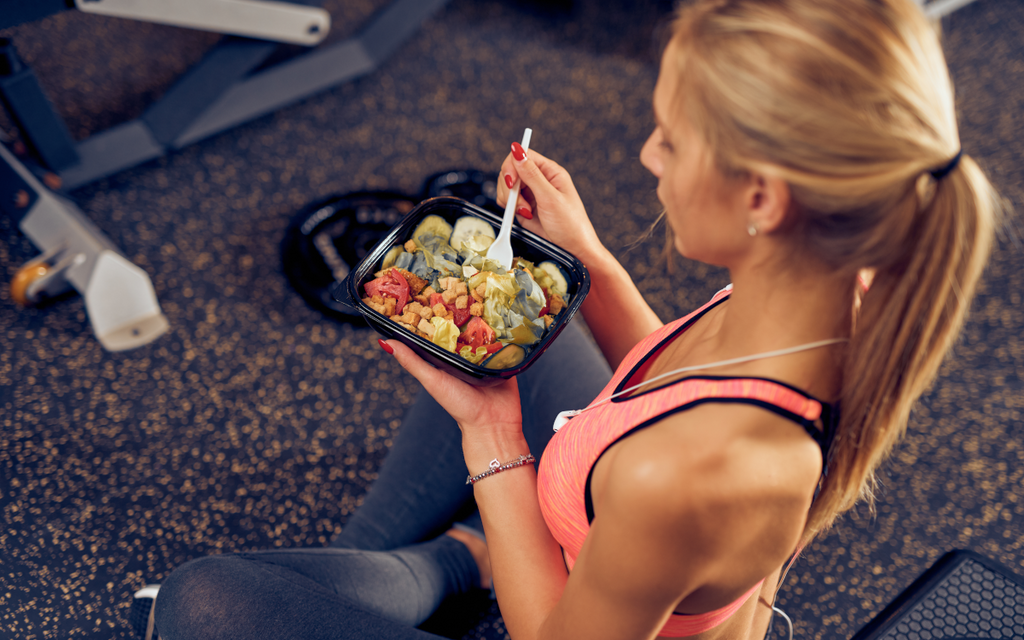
{"x": 430, "y": 284}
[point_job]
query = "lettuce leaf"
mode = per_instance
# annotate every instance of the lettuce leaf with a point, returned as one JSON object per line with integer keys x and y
{"x": 446, "y": 334}
{"x": 476, "y": 357}
{"x": 502, "y": 287}
{"x": 526, "y": 332}
{"x": 478, "y": 279}
{"x": 475, "y": 247}
{"x": 474, "y": 254}
{"x": 530, "y": 299}
{"x": 521, "y": 263}
{"x": 494, "y": 315}
{"x": 485, "y": 264}
{"x": 421, "y": 268}
{"x": 405, "y": 260}
{"x": 499, "y": 294}
{"x": 438, "y": 255}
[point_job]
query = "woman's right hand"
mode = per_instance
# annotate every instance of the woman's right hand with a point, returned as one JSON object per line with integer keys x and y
{"x": 548, "y": 203}
{"x": 616, "y": 312}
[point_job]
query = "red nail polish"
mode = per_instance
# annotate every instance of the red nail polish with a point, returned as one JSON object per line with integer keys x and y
{"x": 518, "y": 152}
{"x": 385, "y": 346}
{"x": 509, "y": 182}
{"x": 523, "y": 211}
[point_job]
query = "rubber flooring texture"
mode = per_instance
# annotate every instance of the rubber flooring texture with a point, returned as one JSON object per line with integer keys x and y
{"x": 256, "y": 422}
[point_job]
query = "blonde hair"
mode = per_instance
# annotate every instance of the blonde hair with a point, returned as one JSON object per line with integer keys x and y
{"x": 850, "y": 102}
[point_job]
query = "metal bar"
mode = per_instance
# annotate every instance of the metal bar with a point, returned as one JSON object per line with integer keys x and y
{"x": 396, "y": 24}
{"x": 181, "y": 118}
{"x": 265, "y": 19}
{"x": 279, "y": 86}
{"x": 200, "y": 87}
{"x": 54, "y": 221}
{"x": 111, "y": 151}
{"x": 32, "y": 112}
{"x": 313, "y": 72}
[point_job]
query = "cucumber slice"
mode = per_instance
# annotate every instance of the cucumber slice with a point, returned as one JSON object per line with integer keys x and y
{"x": 560, "y": 281}
{"x": 435, "y": 225}
{"x": 506, "y": 357}
{"x": 391, "y": 256}
{"x": 467, "y": 227}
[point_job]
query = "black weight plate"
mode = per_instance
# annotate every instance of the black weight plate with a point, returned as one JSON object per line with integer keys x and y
{"x": 327, "y": 238}
{"x": 471, "y": 185}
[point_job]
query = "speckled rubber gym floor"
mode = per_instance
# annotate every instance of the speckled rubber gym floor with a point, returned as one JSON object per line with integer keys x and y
{"x": 257, "y": 422}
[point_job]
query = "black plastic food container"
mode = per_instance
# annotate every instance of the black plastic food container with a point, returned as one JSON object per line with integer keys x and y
{"x": 525, "y": 244}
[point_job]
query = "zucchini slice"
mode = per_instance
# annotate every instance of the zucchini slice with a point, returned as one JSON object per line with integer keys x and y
{"x": 467, "y": 227}
{"x": 559, "y": 280}
{"x": 507, "y": 357}
{"x": 391, "y": 256}
{"x": 433, "y": 224}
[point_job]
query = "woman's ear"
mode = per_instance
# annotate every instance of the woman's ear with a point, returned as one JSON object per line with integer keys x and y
{"x": 767, "y": 200}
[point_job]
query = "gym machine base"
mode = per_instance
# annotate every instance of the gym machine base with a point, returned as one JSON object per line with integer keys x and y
{"x": 119, "y": 297}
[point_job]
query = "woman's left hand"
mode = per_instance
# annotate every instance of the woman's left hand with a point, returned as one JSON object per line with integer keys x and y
{"x": 487, "y": 415}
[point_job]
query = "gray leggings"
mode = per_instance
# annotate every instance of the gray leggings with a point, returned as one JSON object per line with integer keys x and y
{"x": 390, "y": 568}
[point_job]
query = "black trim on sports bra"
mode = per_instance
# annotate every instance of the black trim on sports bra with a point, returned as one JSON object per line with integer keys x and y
{"x": 822, "y": 435}
{"x": 823, "y": 438}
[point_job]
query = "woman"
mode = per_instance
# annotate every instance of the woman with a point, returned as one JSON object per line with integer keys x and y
{"x": 810, "y": 147}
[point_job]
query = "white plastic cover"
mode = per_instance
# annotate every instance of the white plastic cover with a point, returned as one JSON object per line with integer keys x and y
{"x": 122, "y": 304}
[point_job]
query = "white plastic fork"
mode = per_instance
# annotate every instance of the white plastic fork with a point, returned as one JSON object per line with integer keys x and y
{"x": 501, "y": 249}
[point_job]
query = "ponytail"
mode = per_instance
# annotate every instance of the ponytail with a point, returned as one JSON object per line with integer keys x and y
{"x": 907, "y": 321}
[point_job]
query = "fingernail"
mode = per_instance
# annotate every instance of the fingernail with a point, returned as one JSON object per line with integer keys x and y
{"x": 518, "y": 152}
{"x": 509, "y": 182}
{"x": 523, "y": 211}
{"x": 385, "y": 346}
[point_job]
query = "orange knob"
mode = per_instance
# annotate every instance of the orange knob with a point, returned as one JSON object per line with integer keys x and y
{"x": 25, "y": 277}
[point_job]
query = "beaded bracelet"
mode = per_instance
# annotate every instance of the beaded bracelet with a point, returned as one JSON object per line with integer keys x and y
{"x": 497, "y": 467}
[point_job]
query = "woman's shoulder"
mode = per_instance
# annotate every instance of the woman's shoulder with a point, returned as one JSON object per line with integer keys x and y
{"x": 734, "y": 477}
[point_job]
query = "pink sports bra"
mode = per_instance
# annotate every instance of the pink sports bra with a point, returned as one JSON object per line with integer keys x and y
{"x": 565, "y": 470}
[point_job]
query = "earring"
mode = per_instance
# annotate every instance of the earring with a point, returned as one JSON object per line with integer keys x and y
{"x": 751, "y": 229}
